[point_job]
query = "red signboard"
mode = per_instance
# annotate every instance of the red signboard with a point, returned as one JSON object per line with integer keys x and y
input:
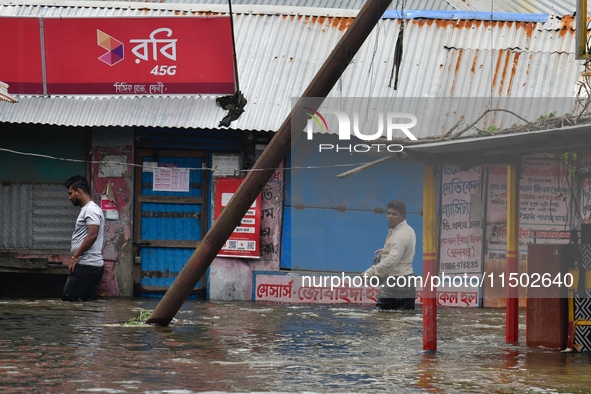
{"x": 245, "y": 240}
{"x": 131, "y": 56}
{"x": 20, "y": 55}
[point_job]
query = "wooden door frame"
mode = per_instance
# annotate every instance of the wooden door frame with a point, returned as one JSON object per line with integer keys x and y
{"x": 139, "y": 199}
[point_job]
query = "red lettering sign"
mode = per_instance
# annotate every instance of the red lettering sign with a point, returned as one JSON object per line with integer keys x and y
{"x": 245, "y": 241}
{"x": 20, "y": 55}
{"x": 131, "y": 56}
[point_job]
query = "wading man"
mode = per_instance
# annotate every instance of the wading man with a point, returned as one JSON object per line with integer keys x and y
{"x": 86, "y": 264}
{"x": 395, "y": 262}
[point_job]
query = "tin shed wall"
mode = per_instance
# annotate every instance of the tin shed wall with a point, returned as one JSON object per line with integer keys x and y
{"x": 36, "y": 217}
{"x": 278, "y": 55}
{"x": 336, "y": 224}
{"x": 35, "y": 213}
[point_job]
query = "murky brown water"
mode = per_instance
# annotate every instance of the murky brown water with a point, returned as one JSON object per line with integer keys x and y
{"x": 53, "y": 347}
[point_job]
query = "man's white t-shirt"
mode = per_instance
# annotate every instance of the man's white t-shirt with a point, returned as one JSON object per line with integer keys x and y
{"x": 90, "y": 214}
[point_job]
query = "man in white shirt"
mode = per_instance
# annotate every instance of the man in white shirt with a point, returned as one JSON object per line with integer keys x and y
{"x": 86, "y": 265}
{"x": 395, "y": 261}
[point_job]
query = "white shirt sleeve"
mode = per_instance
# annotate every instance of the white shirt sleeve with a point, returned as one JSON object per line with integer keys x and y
{"x": 387, "y": 263}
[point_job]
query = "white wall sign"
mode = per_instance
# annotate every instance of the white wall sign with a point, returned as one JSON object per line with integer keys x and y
{"x": 171, "y": 179}
{"x": 225, "y": 164}
{"x": 112, "y": 166}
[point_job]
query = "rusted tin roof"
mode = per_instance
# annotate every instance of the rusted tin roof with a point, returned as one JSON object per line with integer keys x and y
{"x": 442, "y": 58}
{"x": 553, "y": 7}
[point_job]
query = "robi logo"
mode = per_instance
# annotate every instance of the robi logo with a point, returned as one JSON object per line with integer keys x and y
{"x": 145, "y": 50}
{"x": 113, "y": 46}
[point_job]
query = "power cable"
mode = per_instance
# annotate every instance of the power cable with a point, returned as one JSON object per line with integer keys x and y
{"x": 189, "y": 168}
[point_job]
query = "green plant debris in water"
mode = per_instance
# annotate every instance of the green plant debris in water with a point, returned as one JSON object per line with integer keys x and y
{"x": 141, "y": 319}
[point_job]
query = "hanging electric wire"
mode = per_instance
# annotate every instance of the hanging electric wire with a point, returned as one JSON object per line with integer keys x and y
{"x": 236, "y": 102}
{"x": 202, "y": 168}
{"x": 398, "y": 49}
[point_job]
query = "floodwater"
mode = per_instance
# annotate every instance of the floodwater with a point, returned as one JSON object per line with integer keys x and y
{"x": 49, "y": 346}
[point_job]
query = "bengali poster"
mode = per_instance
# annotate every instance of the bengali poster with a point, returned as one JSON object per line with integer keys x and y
{"x": 461, "y": 233}
{"x": 543, "y": 210}
{"x": 585, "y": 205}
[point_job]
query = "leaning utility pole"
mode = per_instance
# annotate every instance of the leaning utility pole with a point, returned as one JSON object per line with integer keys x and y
{"x": 270, "y": 159}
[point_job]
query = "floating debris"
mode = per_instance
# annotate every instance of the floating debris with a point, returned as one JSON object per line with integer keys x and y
{"x": 141, "y": 319}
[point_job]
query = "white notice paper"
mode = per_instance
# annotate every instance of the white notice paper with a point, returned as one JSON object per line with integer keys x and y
{"x": 171, "y": 179}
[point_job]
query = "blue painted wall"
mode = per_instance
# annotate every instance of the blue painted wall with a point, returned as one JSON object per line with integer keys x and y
{"x": 319, "y": 237}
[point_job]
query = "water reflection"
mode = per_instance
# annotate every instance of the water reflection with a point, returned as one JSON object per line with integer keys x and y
{"x": 51, "y": 346}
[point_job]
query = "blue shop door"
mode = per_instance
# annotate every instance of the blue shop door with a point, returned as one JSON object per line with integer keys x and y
{"x": 168, "y": 224}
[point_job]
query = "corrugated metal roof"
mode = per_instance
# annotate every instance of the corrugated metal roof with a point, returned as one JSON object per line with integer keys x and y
{"x": 69, "y": 8}
{"x": 35, "y": 217}
{"x": 317, "y": 8}
{"x": 462, "y": 59}
{"x": 344, "y": 4}
{"x": 486, "y": 149}
{"x": 334, "y": 4}
{"x": 553, "y": 7}
{"x": 465, "y": 15}
{"x": 279, "y": 55}
{"x": 183, "y": 112}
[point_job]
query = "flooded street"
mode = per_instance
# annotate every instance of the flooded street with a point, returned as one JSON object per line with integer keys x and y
{"x": 53, "y": 347}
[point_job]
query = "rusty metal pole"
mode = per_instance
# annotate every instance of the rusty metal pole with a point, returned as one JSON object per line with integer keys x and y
{"x": 429, "y": 258}
{"x": 270, "y": 159}
{"x": 512, "y": 294}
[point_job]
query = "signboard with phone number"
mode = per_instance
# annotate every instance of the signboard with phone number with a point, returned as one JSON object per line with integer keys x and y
{"x": 245, "y": 239}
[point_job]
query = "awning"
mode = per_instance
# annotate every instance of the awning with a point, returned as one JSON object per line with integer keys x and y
{"x": 504, "y": 148}
{"x": 188, "y": 112}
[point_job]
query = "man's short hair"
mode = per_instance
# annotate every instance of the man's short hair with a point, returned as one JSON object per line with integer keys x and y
{"x": 398, "y": 206}
{"x": 78, "y": 182}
